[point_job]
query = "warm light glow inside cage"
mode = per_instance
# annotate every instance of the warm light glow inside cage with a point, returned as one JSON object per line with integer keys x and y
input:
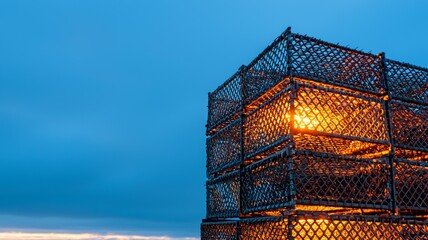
{"x": 313, "y": 140}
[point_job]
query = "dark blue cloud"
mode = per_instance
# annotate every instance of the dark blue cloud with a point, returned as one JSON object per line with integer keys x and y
{"x": 103, "y": 103}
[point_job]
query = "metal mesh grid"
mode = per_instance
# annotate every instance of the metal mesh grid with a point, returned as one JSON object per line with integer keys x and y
{"x": 331, "y": 107}
{"x": 325, "y": 62}
{"x": 224, "y": 102}
{"x": 409, "y": 125}
{"x": 311, "y": 226}
{"x": 357, "y": 227}
{"x": 316, "y": 179}
{"x": 341, "y": 146}
{"x": 266, "y": 70}
{"x": 412, "y": 185}
{"x": 224, "y": 148}
{"x": 264, "y": 228}
{"x": 327, "y": 111}
{"x": 223, "y": 196}
{"x": 219, "y": 230}
{"x": 407, "y": 82}
{"x": 268, "y": 125}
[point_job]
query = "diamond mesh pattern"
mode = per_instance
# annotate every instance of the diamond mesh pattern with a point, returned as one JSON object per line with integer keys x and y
{"x": 353, "y": 227}
{"x": 340, "y": 114}
{"x": 264, "y": 228}
{"x": 407, "y": 82}
{"x": 268, "y": 69}
{"x": 266, "y": 185}
{"x": 341, "y": 146}
{"x": 219, "y": 230}
{"x": 412, "y": 185}
{"x": 223, "y": 196}
{"x": 325, "y": 62}
{"x": 319, "y": 143}
{"x": 224, "y": 148}
{"x": 311, "y": 226}
{"x": 268, "y": 125}
{"x": 409, "y": 125}
{"x": 224, "y": 102}
{"x": 315, "y": 178}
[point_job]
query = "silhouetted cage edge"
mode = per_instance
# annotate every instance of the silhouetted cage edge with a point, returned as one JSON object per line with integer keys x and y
{"x": 396, "y": 149}
{"x": 317, "y": 60}
{"x": 312, "y": 226}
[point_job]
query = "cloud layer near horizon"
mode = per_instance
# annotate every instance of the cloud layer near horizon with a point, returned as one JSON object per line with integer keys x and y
{"x": 80, "y": 236}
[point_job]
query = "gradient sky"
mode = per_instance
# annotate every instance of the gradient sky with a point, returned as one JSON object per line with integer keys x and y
{"x": 103, "y": 103}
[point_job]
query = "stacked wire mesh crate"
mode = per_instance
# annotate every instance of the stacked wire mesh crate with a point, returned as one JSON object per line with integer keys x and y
{"x": 313, "y": 140}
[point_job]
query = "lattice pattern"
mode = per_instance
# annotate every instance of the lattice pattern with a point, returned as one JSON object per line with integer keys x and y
{"x": 268, "y": 125}
{"x": 412, "y": 185}
{"x": 305, "y": 126}
{"x": 325, "y": 227}
{"x": 341, "y": 146}
{"x": 409, "y": 125}
{"x": 315, "y": 179}
{"x": 340, "y": 114}
{"x": 357, "y": 227}
{"x": 225, "y": 101}
{"x": 264, "y": 228}
{"x": 407, "y": 82}
{"x": 224, "y": 148}
{"x": 223, "y": 196}
{"x": 266, "y": 185}
{"x": 325, "y": 62}
{"x": 219, "y": 230}
{"x": 268, "y": 69}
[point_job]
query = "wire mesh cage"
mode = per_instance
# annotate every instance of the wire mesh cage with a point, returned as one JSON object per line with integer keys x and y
{"x": 224, "y": 230}
{"x": 407, "y": 82}
{"x": 224, "y": 103}
{"x": 412, "y": 185}
{"x": 310, "y": 125}
{"x": 325, "y": 62}
{"x": 224, "y": 149}
{"x": 312, "y": 226}
{"x": 223, "y": 196}
{"x": 311, "y": 178}
{"x": 409, "y": 126}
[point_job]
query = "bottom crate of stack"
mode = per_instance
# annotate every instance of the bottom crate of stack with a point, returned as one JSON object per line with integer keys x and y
{"x": 313, "y": 226}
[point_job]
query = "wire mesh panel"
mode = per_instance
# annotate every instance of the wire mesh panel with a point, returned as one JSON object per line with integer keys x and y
{"x": 325, "y": 62}
{"x": 412, "y": 185}
{"x": 267, "y": 126}
{"x": 266, "y": 185}
{"x": 266, "y": 70}
{"x": 224, "y": 102}
{"x": 356, "y": 227}
{"x": 313, "y": 126}
{"x": 322, "y": 110}
{"x": 264, "y": 228}
{"x": 311, "y": 226}
{"x": 223, "y": 196}
{"x": 226, "y": 230}
{"x": 407, "y": 82}
{"x": 409, "y": 125}
{"x": 224, "y": 148}
{"x": 315, "y": 179}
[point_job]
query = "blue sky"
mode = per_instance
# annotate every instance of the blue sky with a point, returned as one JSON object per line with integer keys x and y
{"x": 103, "y": 103}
